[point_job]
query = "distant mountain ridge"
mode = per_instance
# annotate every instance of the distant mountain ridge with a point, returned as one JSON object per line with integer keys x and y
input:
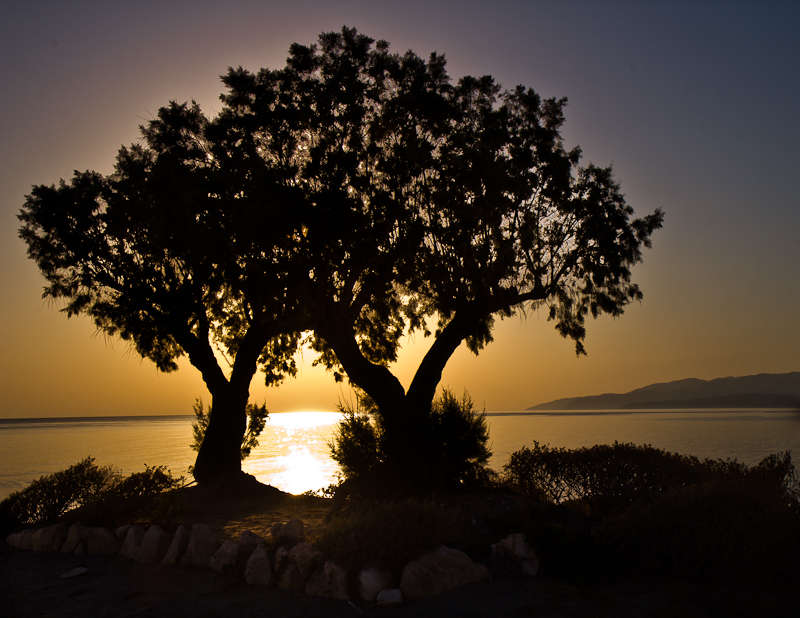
{"x": 765, "y": 390}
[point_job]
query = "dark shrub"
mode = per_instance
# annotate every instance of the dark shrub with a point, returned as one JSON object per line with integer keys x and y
{"x": 600, "y": 479}
{"x": 141, "y": 497}
{"x": 109, "y": 497}
{"x": 717, "y": 530}
{"x": 54, "y": 494}
{"x": 356, "y": 441}
{"x": 457, "y": 436}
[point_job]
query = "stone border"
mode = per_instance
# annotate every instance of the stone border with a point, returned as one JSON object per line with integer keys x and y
{"x": 295, "y": 565}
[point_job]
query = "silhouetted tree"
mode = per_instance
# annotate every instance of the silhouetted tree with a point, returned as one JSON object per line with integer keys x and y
{"x": 357, "y": 195}
{"x": 166, "y": 253}
{"x": 431, "y": 202}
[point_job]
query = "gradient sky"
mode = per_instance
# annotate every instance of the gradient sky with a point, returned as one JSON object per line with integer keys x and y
{"x": 695, "y": 103}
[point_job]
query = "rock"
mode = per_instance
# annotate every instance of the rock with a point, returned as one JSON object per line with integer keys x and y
{"x": 49, "y": 539}
{"x": 74, "y": 572}
{"x": 131, "y": 543}
{"x": 225, "y": 556}
{"x": 281, "y": 556}
{"x": 122, "y": 532}
{"x": 291, "y": 579}
{"x": 371, "y": 581}
{"x": 390, "y": 597}
{"x": 73, "y": 538}
{"x": 287, "y": 533}
{"x": 13, "y": 539}
{"x": 26, "y": 538}
{"x": 329, "y": 581}
{"x": 100, "y": 541}
{"x": 80, "y": 548}
{"x": 154, "y": 545}
{"x": 250, "y": 540}
{"x": 203, "y": 544}
{"x": 257, "y": 569}
{"x": 306, "y": 557}
{"x": 178, "y": 546}
{"x": 515, "y": 548}
{"x": 302, "y": 559}
{"x": 440, "y": 571}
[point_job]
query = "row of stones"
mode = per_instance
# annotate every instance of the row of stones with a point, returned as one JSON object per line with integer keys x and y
{"x": 301, "y": 567}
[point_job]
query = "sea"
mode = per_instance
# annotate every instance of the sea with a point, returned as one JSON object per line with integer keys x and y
{"x": 294, "y": 453}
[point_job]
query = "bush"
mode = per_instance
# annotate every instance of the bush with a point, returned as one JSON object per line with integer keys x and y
{"x": 606, "y": 479}
{"x": 141, "y": 497}
{"x": 661, "y": 513}
{"x": 390, "y": 534}
{"x": 54, "y": 494}
{"x": 717, "y": 530}
{"x": 113, "y": 498}
{"x": 456, "y": 449}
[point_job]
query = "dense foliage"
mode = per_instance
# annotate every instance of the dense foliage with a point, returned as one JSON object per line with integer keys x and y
{"x": 658, "y": 513}
{"x": 52, "y": 495}
{"x": 604, "y": 479}
{"x": 456, "y": 446}
{"x": 112, "y": 497}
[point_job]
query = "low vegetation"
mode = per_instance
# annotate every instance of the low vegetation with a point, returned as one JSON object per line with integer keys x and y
{"x": 653, "y": 512}
{"x": 459, "y": 431}
{"x": 594, "y": 512}
{"x": 390, "y": 534}
{"x": 110, "y": 497}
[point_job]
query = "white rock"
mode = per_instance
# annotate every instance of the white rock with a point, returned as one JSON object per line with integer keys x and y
{"x": 203, "y": 544}
{"x": 73, "y": 538}
{"x": 154, "y": 545}
{"x": 225, "y": 556}
{"x": 100, "y": 541}
{"x": 251, "y": 540}
{"x": 13, "y": 539}
{"x": 133, "y": 539}
{"x": 178, "y": 546}
{"x": 26, "y": 538}
{"x": 442, "y": 570}
{"x": 371, "y": 581}
{"x": 74, "y": 572}
{"x": 49, "y": 539}
{"x": 517, "y": 546}
{"x": 391, "y": 596}
{"x": 257, "y": 569}
{"x": 306, "y": 557}
{"x": 290, "y": 531}
{"x": 281, "y": 558}
{"x": 122, "y": 532}
{"x": 328, "y": 581}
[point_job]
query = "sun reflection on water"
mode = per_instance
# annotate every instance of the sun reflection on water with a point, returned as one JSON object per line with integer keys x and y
{"x": 293, "y": 453}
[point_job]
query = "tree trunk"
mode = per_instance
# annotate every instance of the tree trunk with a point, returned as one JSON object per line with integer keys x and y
{"x": 407, "y": 444}
{"x": 219, "y": 457}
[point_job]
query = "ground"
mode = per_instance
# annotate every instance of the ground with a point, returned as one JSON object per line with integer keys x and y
{"x": 30, "y": 583}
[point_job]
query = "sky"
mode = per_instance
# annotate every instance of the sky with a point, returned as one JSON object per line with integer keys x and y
{"x": 696, "y": 105}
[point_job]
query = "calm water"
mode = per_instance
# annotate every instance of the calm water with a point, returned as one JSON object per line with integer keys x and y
{"x": 294, "y": 456}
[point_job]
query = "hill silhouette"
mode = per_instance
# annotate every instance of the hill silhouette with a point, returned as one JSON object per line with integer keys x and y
{"x": 765, "y": 390}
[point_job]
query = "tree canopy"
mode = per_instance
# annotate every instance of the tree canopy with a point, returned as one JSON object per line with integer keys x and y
{"x": 356, "y": 195}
